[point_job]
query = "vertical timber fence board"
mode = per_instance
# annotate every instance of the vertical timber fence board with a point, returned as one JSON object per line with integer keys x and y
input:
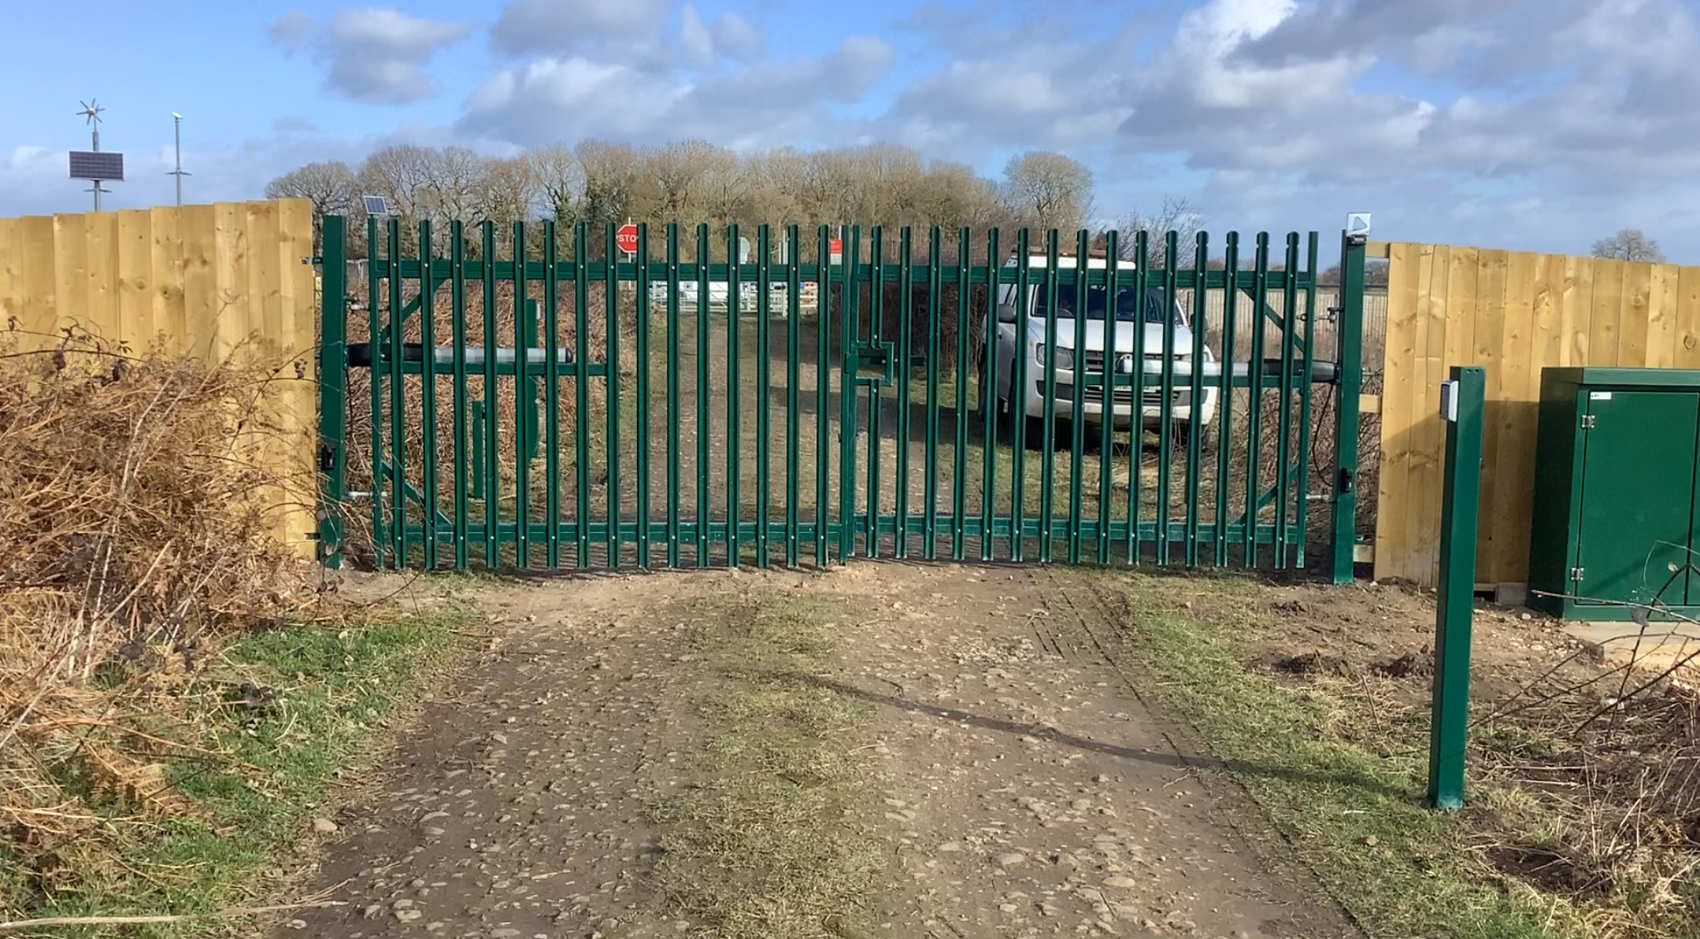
{"x": 1514, "y": 313}
{"x": 206, "y": 281}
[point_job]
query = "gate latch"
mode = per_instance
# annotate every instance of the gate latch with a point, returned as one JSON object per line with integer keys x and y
{"x": 878, "y": 357}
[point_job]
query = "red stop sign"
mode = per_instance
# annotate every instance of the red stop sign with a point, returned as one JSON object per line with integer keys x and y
{"x": 626, "y": 238}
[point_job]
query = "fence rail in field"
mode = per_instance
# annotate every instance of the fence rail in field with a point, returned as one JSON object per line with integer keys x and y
{"x": 202, "y": 280}
{"x": 1512, "y": 312}
{"x": 639, "y": 427}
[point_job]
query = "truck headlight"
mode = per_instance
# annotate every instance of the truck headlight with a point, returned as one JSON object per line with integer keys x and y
{"x": 1065, "y": 357}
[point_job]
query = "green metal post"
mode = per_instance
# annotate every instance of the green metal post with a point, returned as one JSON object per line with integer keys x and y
{"x": 930, "y": 483}
{"x": 1284, "y": 418}
{"x": 492, "y": 462}
{"x": 1077, "y": 419}
{"x": 1106, "y": 420}
{"x": 642, "y": 392}
{"x": 672, "y": 394}
{"x": 847, "y": 313}
{"x": 1254, "y": 397}
{"x": 959, "y": 475}
{"x": 1225, "y": 396}
{"x": 457, "y": 326}
{"x": 1018, "y": 398}
{"x": 876, "y": 319}
{"x": 1349, "y": 357}
{"x": 375, "y": 341}
{"x": 1449, "y": 718}
{"x": 1136, "y": 445}
{"x": 989, "y": 401}
{"x": 581, "y": 395}
{"x": 764, "y": 387}
{"x": 1301, "y": 467}
{"x": 905, "y": 310}
{"x": 703, "y": 513}
{"x": 551, "y": 395}
{"x": 398, "y": 403}
{"x": 793, "y": 428}
{"x": 1048, "y": 420}
{"x": 333, "y": 390}
{"x": 734, "y": 440}
{"x": 823, "y": 383}
{"x": 428, "y": 393}
{"x": 1195, "y": 396}
{"x": 611, "y": 323}
{"x": 525, "y": 314}
{"x": 1166, "y": 420}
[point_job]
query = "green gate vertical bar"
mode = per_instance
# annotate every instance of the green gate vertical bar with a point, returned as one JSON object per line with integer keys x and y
{"x": 1301, "y": 468}
{"x": 428, "y": 392}
{"x": 959, "y": 476}
{"x": 333, "y": 390}
{"x": 1226, "y": 393}
{"x": 823, "y": 383}
{"x": 1077, "y": 417}
{"x": 1107, "y": 407}
{"x": 847, "y": 312}
{"x": 523, "y": 402}
{"x": 581, "y": 395}
{"x": 1195, "y": 397}
{"x": 930, "y": 485}
{"x": 611, "y": 314}
{"x": 876, "y": 319}
{"x": 989, "y": 402}
{"x": 1048, "y": 432}
{"x": 457, "y": 326}
{"x": 672, "y": 394}
{"x": 1166, "y": 420}
{"x": 641, "y": 301}
{"x": 764, "y": 387}
{"x": 375, "y": 342}
{"x": 552, "y": 394}
{"x": 492, "y": 464}
{"x": 793, "y": 290}
{"x": 734, "y": 441}
{"x": 1254, "y": 397}
{"x": 398, "y": 402}
{"x": 1348, "y": 353}
{"x": 1136, "y": 444}
{"x": 1018, "y": 396}
{"x": 1450, "y": 700}
{"x": 905, "y": 352}
{"x": 1283, "y": 450}
{"x": 703, "y": 513}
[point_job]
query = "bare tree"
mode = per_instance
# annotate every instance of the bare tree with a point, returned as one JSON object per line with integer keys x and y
{"x": 559, "y": 179}
{"x": 1629, "y": 244}
{"x": 610, "y": 175}
{"x": 1048, "y": 189}
{"x": 1176, "y": 215}
{"x": 506, "y": 191}
{"x": 671, "y": 176}
{"x": 399, "y": 174}
{"x": 328, "y": 186}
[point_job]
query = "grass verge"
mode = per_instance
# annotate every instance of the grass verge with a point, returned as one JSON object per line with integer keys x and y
{"x": 773, "y": 838}
{"x": 288, "y": 711}
{"x": 1352, "y": 815}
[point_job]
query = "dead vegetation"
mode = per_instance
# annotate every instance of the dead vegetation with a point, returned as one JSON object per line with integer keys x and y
{"x": 135, "y": 534}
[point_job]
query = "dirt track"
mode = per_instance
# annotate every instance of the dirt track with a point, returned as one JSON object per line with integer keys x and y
{"x": 1010, "y": 778}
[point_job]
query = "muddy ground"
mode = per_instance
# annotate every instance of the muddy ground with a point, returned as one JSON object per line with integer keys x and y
{"x": 1010, "y": 779}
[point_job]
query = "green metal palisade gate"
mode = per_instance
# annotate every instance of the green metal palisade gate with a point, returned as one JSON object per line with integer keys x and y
{"x": 701, "y": 372}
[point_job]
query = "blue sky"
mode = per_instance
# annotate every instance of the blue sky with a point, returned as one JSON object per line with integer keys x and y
{"x": 1537, "y": 124}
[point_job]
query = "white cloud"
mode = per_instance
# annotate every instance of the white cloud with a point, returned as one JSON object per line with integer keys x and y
{"x": 559, "y": 26}
{"x": 736, "y": 37}
{"x": 372, "y": 54}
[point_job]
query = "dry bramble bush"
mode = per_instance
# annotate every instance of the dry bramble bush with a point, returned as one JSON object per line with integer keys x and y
{"x": 131, "y": 544}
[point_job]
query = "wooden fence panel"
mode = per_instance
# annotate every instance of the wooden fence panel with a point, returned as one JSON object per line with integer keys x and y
{"x": 1513, "y": 313}
{"x": 202, "y": 280}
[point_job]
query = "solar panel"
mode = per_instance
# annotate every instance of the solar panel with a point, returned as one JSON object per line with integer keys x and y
{"x": 375, "y": 205}
{"x": 97, "y": 164}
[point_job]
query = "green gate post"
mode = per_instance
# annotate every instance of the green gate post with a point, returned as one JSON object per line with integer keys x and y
{"x": 333, "y": 389}
{"x": 1349, "y": 354}
{"x": 1461, "y": 407}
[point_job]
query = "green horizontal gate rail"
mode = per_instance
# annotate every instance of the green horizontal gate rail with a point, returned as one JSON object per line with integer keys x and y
{"x": 561, "y": 450}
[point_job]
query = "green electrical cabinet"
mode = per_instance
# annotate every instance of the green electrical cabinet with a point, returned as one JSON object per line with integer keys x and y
{"x": 1614, "y": 520}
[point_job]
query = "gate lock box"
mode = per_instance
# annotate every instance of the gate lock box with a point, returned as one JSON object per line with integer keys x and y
{"x": 1614, "y": 524}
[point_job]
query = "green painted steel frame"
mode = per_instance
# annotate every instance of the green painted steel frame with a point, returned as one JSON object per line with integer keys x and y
{"x": 408, "y": 527}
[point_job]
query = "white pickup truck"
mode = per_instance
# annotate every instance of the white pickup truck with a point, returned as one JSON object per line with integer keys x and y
{"x": 1131, "y": 313}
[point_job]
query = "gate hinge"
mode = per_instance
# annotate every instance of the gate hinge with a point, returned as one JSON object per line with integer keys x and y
{"x": 1587, "y": 422}
{"x": 1576, "y": 574}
